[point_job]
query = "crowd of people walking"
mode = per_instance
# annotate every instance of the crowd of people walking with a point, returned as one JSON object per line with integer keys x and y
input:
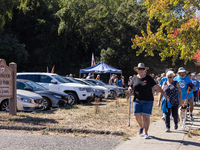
{"x": 176, "y": 90}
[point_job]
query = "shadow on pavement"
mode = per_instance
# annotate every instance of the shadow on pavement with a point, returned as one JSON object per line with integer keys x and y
{"x": 177, "y": 141}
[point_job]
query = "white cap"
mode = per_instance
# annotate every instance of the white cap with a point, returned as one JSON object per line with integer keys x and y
{"x": 181, "y": 69}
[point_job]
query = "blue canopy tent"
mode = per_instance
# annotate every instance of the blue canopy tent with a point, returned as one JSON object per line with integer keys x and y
{"x": 101, "y": 67}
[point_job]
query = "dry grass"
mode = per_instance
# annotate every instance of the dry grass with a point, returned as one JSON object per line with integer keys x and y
{"x": 194, "y": 134}
{"x": 111, "y": 116}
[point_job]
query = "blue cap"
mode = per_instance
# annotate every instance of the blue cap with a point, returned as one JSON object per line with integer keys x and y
{"x": 167, "y": 70}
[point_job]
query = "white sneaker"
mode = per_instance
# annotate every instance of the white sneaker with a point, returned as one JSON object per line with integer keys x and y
{"x": 146, "y": 136}
{"x": 167, "y": 130}
{"x": 163, "y": 118}
{"x": 191, "y": 117}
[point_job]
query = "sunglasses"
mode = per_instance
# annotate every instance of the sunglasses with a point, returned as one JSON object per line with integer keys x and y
{"x": 169, "y": 77}
{"x": 141, "y": 68}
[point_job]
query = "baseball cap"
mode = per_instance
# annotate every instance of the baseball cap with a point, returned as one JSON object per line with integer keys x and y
{"x": 167, "y": 70}
{"x": 181, "y": 69}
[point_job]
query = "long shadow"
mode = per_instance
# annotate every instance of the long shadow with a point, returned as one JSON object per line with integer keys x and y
{"x": 177, "y": 141}
{"x": 92, "y": 104}
{"x": 34, "y": 120}
{"x": 51, "y": 111}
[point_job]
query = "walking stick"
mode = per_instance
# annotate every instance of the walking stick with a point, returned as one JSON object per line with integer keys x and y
{"x": 129, "y": 108}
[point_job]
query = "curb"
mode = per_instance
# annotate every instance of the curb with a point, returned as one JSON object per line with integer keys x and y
{"x": 67, "y": 130}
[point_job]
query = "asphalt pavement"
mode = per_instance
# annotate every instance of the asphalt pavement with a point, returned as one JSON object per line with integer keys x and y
{"x": 11, "y": 140}
{"x": 161, "y": 140}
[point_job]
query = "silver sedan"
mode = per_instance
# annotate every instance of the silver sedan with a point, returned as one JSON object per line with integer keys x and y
{"x": 26, "y": 101}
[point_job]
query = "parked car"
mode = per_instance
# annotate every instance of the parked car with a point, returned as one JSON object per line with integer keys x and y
{"x": 51, "y": 81}
{"x": 106, "y": 92}
{"x": 97, "y": 91}
{"x": 51, "y": 98}
{"x": 26, "y": 101}
{"x": 115, "y": 90}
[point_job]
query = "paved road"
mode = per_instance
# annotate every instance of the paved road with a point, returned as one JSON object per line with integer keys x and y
{"x": 161, "y": 140}
{"x": 11, "y": 140}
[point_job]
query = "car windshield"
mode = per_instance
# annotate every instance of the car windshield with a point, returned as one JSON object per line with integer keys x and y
{"x": 60, "y": 79}
{"x": 35, "y": 86}
{"x": 71, "y": 80}
{"x": 97, "y": 82}
{"x": 82, "y": 82}
{"x": 89, "y": 82}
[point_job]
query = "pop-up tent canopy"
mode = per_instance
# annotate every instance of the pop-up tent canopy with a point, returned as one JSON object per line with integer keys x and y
{"x": 101, "y": 67}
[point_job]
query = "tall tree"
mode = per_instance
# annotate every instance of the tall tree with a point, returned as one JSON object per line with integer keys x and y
{"x": 179, "y": 34}
{"x": 6, "y": 7}
{"x": 12, "y": 50}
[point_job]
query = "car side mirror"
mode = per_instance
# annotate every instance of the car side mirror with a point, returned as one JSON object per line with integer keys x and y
{"x": 28, "y": 89}
{"x": 53, "y": 81}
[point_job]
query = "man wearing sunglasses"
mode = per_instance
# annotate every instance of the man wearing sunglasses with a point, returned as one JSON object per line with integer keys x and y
{"x": 184, "y": 81}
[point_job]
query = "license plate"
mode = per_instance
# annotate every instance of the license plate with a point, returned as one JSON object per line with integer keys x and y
{"x": 40, "y": 105}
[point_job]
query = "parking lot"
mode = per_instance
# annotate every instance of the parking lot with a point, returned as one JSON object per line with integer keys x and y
{"x": 109, "y": 115}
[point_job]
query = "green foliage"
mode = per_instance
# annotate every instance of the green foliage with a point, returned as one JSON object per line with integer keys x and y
{"x": 6, "y": 7}
{"x": 179, "y": 32}
{"x": 64, "y": 33}
{"x": 12, "y": 50}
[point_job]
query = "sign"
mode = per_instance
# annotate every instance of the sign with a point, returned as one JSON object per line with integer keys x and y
{"x": 6, "y": 80}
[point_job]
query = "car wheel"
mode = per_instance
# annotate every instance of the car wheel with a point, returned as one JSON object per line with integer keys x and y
{"x": 72, "y": 98}
{"x": 46, "y": 104}
{"x": 5, "y": 105}
{"x": 112, "y": 93}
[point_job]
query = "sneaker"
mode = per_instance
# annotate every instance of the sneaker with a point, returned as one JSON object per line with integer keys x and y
{"x": 163, "y": 118}
{"x": 176, "y": 127}
{"x": 140, "y": 131}
{"x": 146, "y": 136}
{"x": 191, "y": 117}
{"x": 167, "y": 130}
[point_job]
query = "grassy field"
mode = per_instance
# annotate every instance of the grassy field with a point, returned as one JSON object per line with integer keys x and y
{"x": 109, "y": 115}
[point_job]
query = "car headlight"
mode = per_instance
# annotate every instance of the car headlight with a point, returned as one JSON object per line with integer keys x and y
{"x": 95, "y": 90}
{"x": 82, "y": 89}
{"x": 27, "y": 100}
{"x": 57, "y": 96}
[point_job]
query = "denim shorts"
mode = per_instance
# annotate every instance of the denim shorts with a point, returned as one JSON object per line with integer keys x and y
{"x": 142, "y": 107}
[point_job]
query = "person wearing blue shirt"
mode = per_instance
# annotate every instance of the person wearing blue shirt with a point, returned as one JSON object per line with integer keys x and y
{"x": 196, "y": 87}
{"x": 164, "y": 79}
{"x": 120, "y": 82}
{"x": 183, "y": 81}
